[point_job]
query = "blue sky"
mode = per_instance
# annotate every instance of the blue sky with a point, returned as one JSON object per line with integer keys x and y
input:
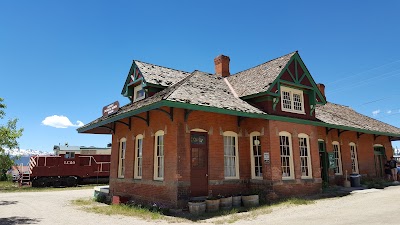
{"x": 71, "y": 58}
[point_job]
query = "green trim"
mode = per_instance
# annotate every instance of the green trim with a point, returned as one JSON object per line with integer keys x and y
{"x": 121, "y": 116}
{"x": 154, "y": 85}
{"x": 275, "y": 102}
{"x": 296, "y": 86}
{"x": 229, "y": 112}
{"x": 265, "y": 98}
{"x": 211, "y": 109}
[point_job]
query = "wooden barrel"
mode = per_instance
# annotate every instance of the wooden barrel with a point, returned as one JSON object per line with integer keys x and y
{"x": 250, "y": 201}
{"x": 197, "y": 208}
{"x": 236, "y": 201}
{"x": 225, "y": 203}
{"x": 212, "y": 205}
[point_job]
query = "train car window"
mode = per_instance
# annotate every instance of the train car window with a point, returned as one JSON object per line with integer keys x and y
{"x": 69, "y": 155}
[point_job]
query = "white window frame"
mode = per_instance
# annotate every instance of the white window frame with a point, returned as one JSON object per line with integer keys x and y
{"x": 289, "y": 145}
{"x": 253, "y": 157}
{"x": 292, "y": 92}
{"x": 135, "y": 90}
{"x": 338, "y": 158}
{"x": 354, "y": 158}
{"x": 159, "y": 158}
{"x": 138, "y": 169}
{"x": 226, "y": 135}
{"x": 305, "y": 158}
{"x": 121, "y": 158}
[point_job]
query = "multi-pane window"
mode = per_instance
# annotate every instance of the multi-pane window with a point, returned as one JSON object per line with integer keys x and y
{"x": 138, "y": 157}
{"x": 286, "y": 100}
{"x": 353, "y": 156}
{"x": 69, "y": 155}
{"x": 292, "y": 100}
{"x": 231, "y": 163}
{"x": 121, "y": 158}
{"x": 338, "y": 158}
{"x": 159, "y": 156}
{"x": 305, "y": 158}
{"x": 256, "y": 157}
{"x": 286, "y": 155}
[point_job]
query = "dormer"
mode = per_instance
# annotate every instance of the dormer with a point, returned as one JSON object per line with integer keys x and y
{"x": 282, "y": 87}
{"x": 144, "y": 80}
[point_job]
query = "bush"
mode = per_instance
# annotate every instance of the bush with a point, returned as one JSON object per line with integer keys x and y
{"x": 100, "y": 198}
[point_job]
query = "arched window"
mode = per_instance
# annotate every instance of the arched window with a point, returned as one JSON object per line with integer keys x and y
{"x": 353, "y": 156}
{"x": 121, "y": 158}
{"x": 305, "y": 157}
{"x": 285, "y": 143}
{"x": 338, "y": 158}
{"x": 159, "y": 155}
{"x": 231, "y": 157}
{"x": 256, "y": 156}
{"x": 137, "y": 171}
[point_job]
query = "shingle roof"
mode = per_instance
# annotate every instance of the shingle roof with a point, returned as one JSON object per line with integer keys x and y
{"x": 198, "y": 88}
{"x": 160, "y": 75}
{"x": 210, "y": 90}
{"x": 345, "y": 116}
{"x": 258, "y": 79}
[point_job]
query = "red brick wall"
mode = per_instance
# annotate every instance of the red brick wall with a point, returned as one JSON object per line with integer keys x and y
{"x": 174, "y": 191}
{"x": 365, "y": 151}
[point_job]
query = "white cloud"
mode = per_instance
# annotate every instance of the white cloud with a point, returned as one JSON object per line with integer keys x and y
{"x": 376, "y": 112}
{"x": 60, "y": 122}
{"x": 389, "y": 111}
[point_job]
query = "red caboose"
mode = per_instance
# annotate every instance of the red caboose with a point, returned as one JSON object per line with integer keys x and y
{"x": 69, "y": 169}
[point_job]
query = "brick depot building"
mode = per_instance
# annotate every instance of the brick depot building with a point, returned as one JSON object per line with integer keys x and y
{"x": 268, "y": 128}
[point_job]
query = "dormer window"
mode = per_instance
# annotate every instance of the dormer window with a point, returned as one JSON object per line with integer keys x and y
{"x": 292, "y": 100}
{"x": 138, "y": 93}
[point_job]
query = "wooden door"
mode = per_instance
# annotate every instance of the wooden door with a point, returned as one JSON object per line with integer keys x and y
{"x": 323, "y": 160}
{"x": 199, "y": 164}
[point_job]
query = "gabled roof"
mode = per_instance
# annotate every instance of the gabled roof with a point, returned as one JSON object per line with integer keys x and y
{"x": 345, "y": 116}
{"x": 154, "y": 74}
{"x": 160, "y": 75}
{"x": 258, "y": 79}
{"x": 198, "y": 89}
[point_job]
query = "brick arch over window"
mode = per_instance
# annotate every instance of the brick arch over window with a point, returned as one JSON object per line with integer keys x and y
{"x": 286, "y": 152}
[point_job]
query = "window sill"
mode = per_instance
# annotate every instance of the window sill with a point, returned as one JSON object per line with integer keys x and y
{"x": 293, "y": 111}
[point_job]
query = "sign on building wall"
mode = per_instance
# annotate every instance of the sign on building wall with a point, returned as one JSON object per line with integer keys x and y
{"x": 266, "y": 157}
{"x": 111, "y": 109}
{"x": 331, "y": 157}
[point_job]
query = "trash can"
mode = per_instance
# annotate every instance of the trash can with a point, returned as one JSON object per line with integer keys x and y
{"x": 355, "y": 180}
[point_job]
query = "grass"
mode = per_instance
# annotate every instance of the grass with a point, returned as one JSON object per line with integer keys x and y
{"x": 220, "y": 217}
{"x": 90, "y": 205}
{"x": 8, "y": 186}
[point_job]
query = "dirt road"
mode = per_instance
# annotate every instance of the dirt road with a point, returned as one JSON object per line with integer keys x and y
{"x": 369, "y": 206}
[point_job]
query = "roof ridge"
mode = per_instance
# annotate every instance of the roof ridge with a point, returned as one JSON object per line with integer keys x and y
{"x": 264, "y": 63}
{"x": 178, "y": 84}
{"x": 135, "y": 60}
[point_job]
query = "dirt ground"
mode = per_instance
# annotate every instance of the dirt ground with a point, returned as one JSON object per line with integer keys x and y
{"x": 370, "y": 206}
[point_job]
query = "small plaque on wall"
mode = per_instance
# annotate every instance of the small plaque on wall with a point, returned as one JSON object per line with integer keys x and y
{"x": 266, "y": 157}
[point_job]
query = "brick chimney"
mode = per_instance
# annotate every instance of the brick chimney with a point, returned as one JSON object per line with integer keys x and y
{"x": 222, "y": 65}
{"x": 321, "y": 88}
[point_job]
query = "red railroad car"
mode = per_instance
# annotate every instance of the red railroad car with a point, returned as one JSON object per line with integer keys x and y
{"x": 68, "y": 169}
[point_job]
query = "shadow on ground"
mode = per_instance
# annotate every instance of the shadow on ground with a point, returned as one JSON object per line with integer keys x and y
{"x": 18, "y": 220}
{"x": 8, "y": 203}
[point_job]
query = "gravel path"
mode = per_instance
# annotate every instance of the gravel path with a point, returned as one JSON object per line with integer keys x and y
{"x": 369, "y": 206}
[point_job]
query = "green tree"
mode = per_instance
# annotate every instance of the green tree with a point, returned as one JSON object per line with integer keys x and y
{"x": 8, "y": 139}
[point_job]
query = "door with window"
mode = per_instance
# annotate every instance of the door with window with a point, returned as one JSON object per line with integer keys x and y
{"x": 380, "y": 158}
{"x": 323, "y": 160}
{"x": 199, "y": 164}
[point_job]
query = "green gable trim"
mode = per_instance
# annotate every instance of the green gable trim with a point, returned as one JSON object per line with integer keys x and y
{"x": 297, "y": 60}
